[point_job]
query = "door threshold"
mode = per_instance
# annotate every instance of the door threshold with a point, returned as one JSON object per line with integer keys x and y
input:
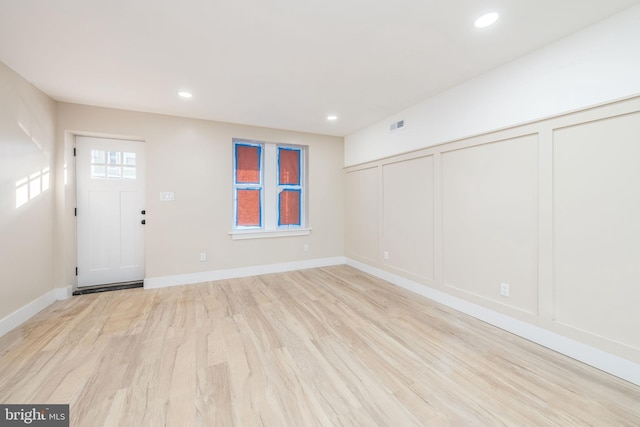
{"x": 107, "y": 287}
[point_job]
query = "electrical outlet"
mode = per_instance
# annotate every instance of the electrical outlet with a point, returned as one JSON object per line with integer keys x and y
{"x": 203, "y": 256}
{"x": 385, "y": 255}
{"x": 504, "y": 289}
{"x": 305, "y": 247}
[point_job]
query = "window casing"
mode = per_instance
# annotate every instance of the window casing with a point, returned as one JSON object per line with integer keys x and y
{"x": 269, "y": 189}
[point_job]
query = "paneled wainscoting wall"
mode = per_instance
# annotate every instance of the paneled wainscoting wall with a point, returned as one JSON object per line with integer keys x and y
{"x": 546, "y": 213}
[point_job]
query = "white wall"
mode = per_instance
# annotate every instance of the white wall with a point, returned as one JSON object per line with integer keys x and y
{"x": 596, "y": 65}
{"x": 193, "y": 159}
{"x": 27, "y": 171}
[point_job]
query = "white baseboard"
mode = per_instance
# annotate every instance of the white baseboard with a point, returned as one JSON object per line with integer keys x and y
{"x": 63, "y": 293}
{"x": 607, "y": 362}
{"x": 208, "y": 276}
{"x": 26, "y": 312}
{"x": 610, "y": 363}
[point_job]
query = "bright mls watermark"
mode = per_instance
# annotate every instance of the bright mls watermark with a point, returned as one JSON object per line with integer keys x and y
{"x": 34, "y": 415}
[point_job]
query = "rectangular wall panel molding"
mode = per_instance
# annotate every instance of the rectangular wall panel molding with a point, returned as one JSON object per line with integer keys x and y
{"x": 362, "y": 214}
{"x": 489, "y": 215}
{"x": 538, "y": 221}
{"x": 596, "y": 216}
{"x": 408, "y": 217}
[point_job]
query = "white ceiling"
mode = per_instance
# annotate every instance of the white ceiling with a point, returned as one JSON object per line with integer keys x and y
{"x": 275, "y": 63}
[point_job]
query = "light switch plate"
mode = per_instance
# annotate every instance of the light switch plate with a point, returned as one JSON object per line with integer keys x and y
{"x": 167, "y": 196}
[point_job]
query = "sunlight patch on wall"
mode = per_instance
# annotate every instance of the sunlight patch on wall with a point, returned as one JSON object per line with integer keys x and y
{"x": 33, "y": 138}
{"x": 31, "y": 186}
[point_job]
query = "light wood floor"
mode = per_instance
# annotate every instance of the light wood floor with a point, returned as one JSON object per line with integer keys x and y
{"x": 330, "y": 346}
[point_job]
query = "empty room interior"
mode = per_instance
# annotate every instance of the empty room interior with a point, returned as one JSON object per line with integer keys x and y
{"x": 336, "y": 213}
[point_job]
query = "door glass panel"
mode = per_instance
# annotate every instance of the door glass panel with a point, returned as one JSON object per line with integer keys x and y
{"x": 98, "y": 156}
{"x": 114, "y": 158}
{"x": 113, "y": 164}
{"x": 129, "y": 159}
{"x": 114, "y": 172}
{"x": 98, "y": 171}
{"x": 128, "y": 172}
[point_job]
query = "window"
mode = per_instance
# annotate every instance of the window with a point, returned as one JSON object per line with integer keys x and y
{"x": 269, "y": 189}
{"x": 248, "y": 183}
{"x": 113, "y": 165}
{"x": 289, "y": 187}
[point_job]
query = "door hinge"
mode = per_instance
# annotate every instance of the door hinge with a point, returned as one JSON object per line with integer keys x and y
{"x": 74, "y": 151}
{"x": 75, "y": 211}
{"x": 76, "y": 271}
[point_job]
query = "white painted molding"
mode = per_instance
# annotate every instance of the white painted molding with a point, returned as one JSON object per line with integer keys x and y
{"x": 63, "y": 293}
{"x": 264, "y": 234}
{"x": 607, "y": 362}
{"x": 208, "y": 276}
{"x": 26, "y": 312}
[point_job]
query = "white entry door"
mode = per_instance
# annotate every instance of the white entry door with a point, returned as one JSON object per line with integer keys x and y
{"x": 110, "y": 213}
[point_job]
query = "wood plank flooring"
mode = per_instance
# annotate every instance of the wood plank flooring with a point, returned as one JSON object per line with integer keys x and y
{"x": 321, "y": 347}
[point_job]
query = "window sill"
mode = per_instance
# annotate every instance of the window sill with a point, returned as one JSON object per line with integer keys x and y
{"x": 263, "y": 234}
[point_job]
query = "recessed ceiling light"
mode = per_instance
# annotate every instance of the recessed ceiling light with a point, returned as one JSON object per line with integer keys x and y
{"x": 185, "y": 94}
{"x": 486, "y": 20}
{"x": 332, "y": 118}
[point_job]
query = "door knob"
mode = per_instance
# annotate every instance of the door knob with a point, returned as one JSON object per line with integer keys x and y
{"x": 143, "y": 222}
{"x": 143, "y": 211}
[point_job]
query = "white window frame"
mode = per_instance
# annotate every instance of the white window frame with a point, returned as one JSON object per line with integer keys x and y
{"x": 270, "y": 194}
{"x": 296, "y": 187}
{"x": 248, "y": 186}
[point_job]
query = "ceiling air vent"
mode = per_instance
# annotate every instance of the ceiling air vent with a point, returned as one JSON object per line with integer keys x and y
{"x": 397, "y": 125}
